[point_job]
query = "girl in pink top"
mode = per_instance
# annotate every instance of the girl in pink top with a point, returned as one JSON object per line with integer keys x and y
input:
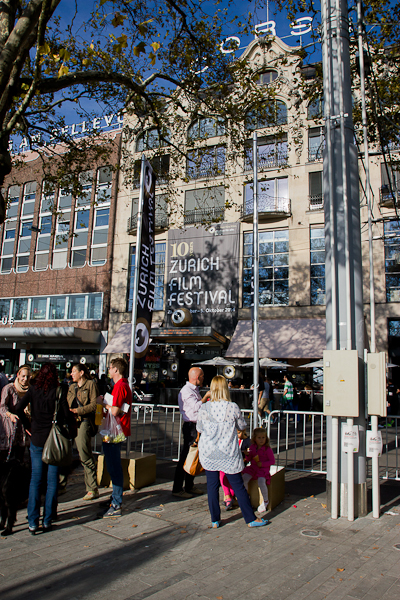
{"x": 261, "y": 457}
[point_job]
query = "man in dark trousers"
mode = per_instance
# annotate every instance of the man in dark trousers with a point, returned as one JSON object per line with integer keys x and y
{"x": 189, "y": 401}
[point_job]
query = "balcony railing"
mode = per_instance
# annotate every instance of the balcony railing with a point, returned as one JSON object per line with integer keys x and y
{"x": 212, "y": 170}
{"x": 387, "y": 197}
{"x": 267, "y": 205}
{"x": 315, "y": 154}
{"x": 316, "y": 202}
{"x": 204, "y": 215}
{"x": 161, "y": 222}
{"x": 266, "y": 160}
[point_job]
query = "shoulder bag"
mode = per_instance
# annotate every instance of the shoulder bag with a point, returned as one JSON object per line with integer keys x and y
{"x": 192, "y": 463}
{"x": 57, "y": 449}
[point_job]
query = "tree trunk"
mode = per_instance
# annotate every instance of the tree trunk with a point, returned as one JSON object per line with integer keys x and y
{"x": 5, "y": 169}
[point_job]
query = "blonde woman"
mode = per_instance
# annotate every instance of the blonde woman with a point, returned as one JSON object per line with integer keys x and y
{"x": 218, "y": 422}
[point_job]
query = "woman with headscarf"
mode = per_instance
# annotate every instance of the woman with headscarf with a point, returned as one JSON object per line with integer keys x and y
{"x": 12, "y": 432}
{"x": 42, "y": 396}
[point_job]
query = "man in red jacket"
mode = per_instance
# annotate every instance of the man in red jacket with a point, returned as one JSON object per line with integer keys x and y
{"x": 122, "y": 395}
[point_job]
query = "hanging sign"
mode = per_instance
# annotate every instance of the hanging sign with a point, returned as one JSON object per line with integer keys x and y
{"x": 350, "y": 438}
{"x": 374, "y": 443}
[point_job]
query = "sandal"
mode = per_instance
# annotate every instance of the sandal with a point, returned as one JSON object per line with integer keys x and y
{"x": 258, "y": 523}
{"x": 228, "y": 504}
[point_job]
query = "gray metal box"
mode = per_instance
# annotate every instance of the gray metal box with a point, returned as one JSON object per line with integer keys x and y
{"x": 341, "y": 385}
{"x": 376, "y": 371}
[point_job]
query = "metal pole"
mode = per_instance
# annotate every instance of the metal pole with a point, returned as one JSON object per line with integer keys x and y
{"x": 256, "y": 365}
{"x": 376, "y": 500}
{"x": 135, "y": 288}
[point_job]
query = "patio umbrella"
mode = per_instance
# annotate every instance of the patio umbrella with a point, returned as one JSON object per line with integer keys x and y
{"x": 269, "y": 363}
{"x": 218, "y": 361}
{"x": 317, "y": 363}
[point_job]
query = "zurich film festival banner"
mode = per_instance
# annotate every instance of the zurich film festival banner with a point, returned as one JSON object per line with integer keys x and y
{"x": 147, "y": 280}
{"x": 203, "y": 275}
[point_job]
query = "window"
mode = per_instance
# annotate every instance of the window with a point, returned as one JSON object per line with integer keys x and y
{"x": 391, "y": 230}
{"x": 272, "y": 153}
{"x": 316, "y": 144}
{"x": 390, "y": 180}
{"x": 316, "y": 199}
{"x": 206, "y": 162}
{"x": 273, "y": 196}
{"x": 151, "y": 139}
{"x": 28, "y": 199}
{"x": 76, "y": 308}
{"x": 4, "y": 310}
{"x": 53, "y": 308}
{"x": 13, "y": 201}
{"x": 43, "y": 239}
{"x": 203, "y": 205}
{"x": 267, "y": 77}
{"x": 104, "y": 185}
{"x": 272, "y": 115}
{"x": 24, "y": 246}
{"x": 161, "y": 212}
{"x": 85, "y": 195}
{"x": 7, "y": 252}
{"x": 205, "y": 127}
{"x": 315, "y": 109}
{"x": 61, "y": 238}
{"x": 80, "y": 239}
{"x": 48, "y": 197}
{"x": 317, "y": 265}
{"x": 57, "y": 308}
{"x": 64, "y": 199}
{"x": 100, "y": 236}
{"x": 159, "y": 276}
{"x": 273, "y": 268}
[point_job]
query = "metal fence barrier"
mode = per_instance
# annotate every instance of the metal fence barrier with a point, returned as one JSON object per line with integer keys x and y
{"x": 298, "y": 439}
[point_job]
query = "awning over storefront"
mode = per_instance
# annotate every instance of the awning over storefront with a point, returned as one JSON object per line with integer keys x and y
{"x": 51, "y": 335}
{"x": 279, "y": 338}
{"x": 121, "y": 342}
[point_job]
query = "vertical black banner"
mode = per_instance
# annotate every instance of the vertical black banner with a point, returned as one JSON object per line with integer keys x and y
{"x": 147, "y": 281}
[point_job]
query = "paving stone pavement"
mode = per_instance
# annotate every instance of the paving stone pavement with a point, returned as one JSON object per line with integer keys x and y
{"x": 163, "y": 548}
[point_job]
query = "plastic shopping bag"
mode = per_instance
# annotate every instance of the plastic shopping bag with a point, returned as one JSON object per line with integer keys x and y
{"x": 111, "y": 430}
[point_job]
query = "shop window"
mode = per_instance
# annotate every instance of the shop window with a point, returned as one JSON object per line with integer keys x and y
{"x": 95, "y": 307}
{"x": 391, "y": 231}
{"x": 4, "y": 310}
{"x": 159, "y": 276}
{"x": 38, "y": 309}
{"x": 317, "y": 265}
{"x": 273, "y": 268}
{"x": 57, "y": 308}
{"x": 20, "y": 309}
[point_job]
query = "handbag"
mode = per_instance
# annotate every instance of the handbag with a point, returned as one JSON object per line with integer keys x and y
{"x": 57, "y": 450}
{"x": 192, "y": 463}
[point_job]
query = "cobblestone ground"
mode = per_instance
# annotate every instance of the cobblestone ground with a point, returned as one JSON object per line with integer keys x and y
{"x": 162, "y": 548}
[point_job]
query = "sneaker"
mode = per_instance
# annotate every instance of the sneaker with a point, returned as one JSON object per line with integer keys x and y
{"x": 262, "y": 508}
{"x": 113, "y": 511}
{"x": 91, "y": 495}
{"x": 196, "y": 491}
{"x": 182, "y": 495}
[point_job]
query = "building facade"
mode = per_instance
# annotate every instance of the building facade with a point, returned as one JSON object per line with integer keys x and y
{"x": 56, "y": 259}
{"x": 204, "y": 286}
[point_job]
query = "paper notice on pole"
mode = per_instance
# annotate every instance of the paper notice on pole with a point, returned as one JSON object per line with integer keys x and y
{"x": 374, "y": 443}
{"x": 350, "y": 438}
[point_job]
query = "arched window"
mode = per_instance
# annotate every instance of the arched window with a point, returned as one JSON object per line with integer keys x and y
{"x": 205, "y": 127}
{"x": 150, "y": 139}
{"x": 315, "y": 109}
{"x": 267, "y": 77}
{"x": 275, "y": 114}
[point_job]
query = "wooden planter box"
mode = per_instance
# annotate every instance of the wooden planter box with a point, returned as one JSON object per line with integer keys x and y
{"x": 276, "y": 489}
{"x": 139, "y": 470}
